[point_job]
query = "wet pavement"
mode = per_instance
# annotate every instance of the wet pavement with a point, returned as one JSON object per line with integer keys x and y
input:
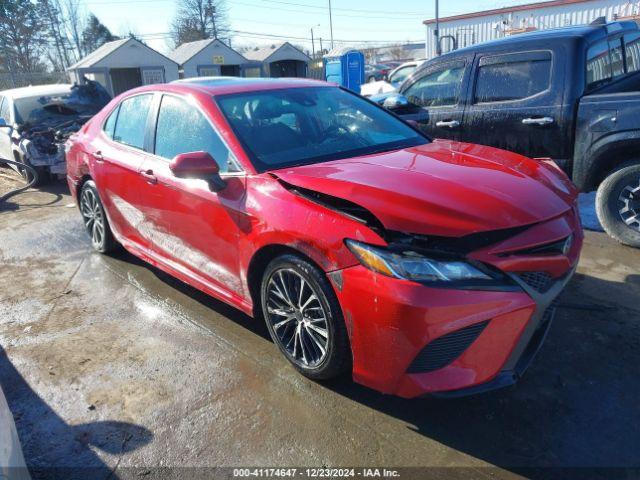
{"x": 107, "y": 362}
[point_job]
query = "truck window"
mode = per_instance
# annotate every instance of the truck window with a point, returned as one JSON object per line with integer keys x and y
{"x": 437, "y": 88}
{"x": 617, "y": 57}
{"x": 502, "y": 79}
{"x": 632, "y": 51}
{"x": 598, "y": 64}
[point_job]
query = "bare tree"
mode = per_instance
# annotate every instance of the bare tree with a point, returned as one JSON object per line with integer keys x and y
{"x": 75, "y": 24}
{"x": 199, "y": 20}
{"x": 397, "y": 52}
{"x": 56, "y": 32}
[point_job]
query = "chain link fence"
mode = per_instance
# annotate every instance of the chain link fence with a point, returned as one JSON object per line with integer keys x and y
{"x": 16, "y": 80}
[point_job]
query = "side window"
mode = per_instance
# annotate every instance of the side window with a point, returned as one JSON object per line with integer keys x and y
{"x": 110, "y": 124}
{"x": 632, "y": 51}
{"x": 437, "y": 88}
{"x": 4, "y": 110}
{"x": 131, "y": 123}
{"x": 502, "y": 79}
{"x": 598, "y": 64}
{"x": 181, "y": 128}
{"x": 617, "y": 57}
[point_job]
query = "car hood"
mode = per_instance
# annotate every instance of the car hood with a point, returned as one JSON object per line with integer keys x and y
{"x": 443, "y": 188}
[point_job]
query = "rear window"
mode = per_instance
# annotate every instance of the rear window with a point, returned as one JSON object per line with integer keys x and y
{"x": 632, "y": 51}
{"x": 132, "y": 120}
{"x": 500, "y": 79}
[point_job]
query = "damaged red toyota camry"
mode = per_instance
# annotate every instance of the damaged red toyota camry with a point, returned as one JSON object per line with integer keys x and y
{"x": 423, "y": 267}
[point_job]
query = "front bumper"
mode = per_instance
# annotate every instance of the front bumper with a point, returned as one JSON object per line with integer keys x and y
{"x": 392, "y": 322}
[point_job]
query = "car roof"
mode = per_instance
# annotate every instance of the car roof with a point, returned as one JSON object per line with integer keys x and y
{"x": 588, "y": 33}
{"x": 227, "y": 85}
{"x": 37, "y": 90}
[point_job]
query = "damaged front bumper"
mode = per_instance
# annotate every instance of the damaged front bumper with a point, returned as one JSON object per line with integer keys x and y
{"x": 55, "y": 162}
{"x": 410, "y": 339}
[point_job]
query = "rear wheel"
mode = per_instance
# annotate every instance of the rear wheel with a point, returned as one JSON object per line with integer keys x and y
{"x": 618, "y": 204}
{"x": 304, "y": 317}
{"x": 95, "y": 220}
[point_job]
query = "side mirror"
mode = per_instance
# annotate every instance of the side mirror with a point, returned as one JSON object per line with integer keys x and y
{"x": 3, "y": 124}
{"x": 198, "y": 165}
{"x": 396, "y": 102}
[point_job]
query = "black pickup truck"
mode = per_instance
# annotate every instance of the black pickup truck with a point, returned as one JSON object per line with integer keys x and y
{"x": 570, "y": 94}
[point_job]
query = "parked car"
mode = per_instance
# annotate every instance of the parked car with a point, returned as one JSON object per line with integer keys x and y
{"x": 377, "y": 72}
{"x": 36, "y": 121}
{"x": 570, "y": 94}
{"x": 419, "y": 266}
{"x": 395, "y": 79}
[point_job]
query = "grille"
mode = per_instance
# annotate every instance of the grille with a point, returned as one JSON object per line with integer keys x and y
{"x": 539, "y": 281}
{"x": 444, "y": 350}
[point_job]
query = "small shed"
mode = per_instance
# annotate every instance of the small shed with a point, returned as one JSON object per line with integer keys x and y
{"x": 124, "y": 64}
{"x": 208, "y": 58}
{"x": 278, "y": 60}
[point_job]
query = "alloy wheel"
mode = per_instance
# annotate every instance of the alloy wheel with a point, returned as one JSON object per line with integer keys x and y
{"x": 297, "y": 318}
{"x": 629, "y": 205}
{"x": 93, "y": 217}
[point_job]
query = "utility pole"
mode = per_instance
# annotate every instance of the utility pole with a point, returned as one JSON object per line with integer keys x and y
{"x": 313, "y": 45}
{"x": 437, "y": 31}
{"x": 331, "y": 24}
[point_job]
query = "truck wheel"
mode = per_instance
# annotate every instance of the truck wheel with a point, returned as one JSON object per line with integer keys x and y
{"x": 618, "y": 204}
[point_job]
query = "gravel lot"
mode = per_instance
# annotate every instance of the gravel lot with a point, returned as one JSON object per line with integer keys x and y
{"x": 110, "y": 364}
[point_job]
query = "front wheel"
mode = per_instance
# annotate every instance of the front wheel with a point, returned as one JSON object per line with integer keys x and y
{"x": 95, "y": 220}
{"x": 304, "y": 317}
{"x": 618, "y": 205}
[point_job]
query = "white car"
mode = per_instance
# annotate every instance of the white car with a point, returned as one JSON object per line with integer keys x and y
{"x": 36, "y": 121}
{"x": 395, "y": 79}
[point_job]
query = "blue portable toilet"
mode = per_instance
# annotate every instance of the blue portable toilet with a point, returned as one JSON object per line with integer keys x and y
{"x": 345, "y": 67}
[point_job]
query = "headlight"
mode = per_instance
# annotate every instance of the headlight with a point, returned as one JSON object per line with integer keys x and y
{"x": 417, "y": 267}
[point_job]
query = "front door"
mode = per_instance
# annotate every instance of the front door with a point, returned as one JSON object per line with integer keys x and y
{"x": 438, "y": 94}
{"x": 514, "y": 107}
{"x": 116, "y": 155}
{"x": 195, "y": 231}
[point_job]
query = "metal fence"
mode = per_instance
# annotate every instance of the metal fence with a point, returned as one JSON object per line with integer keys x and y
{"x": 15, "y": 80}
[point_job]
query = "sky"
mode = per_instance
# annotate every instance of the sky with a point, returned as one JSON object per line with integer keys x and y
{"x": 261, "y": 22}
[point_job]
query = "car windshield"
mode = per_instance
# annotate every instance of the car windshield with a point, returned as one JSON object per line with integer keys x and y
{"x": 401, "y": 75}
{"x": 298, "y": 126}
{"x": 77, "y": 101}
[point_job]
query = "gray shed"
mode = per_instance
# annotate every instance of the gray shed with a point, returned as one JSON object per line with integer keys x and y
{"x": 124, "y": 64}
{"x": 208, "y": 58}
{"x": 278, "y": 60}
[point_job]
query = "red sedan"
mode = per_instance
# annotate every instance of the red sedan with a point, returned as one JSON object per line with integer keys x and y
{"x": 420, "y": 266}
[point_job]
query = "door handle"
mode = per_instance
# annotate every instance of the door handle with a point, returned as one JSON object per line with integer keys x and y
{"x": 98, "y": 156}
{"x": 448, "y": 123}
{"x": 148, "y": 174}
{"x": 538, "y": 121}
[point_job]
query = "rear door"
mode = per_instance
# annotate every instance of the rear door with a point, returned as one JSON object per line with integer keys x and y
{"x": 438, "y": 93}
{"x": 516, "y": 104}
{"x": 116, "y": 155}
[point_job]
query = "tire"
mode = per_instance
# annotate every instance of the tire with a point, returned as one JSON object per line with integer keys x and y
{"x": 44, "y": 176}
{"x": 312, "y": 354}
{"x": 95, "y": 219}
{"x": 618, "y": 204}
